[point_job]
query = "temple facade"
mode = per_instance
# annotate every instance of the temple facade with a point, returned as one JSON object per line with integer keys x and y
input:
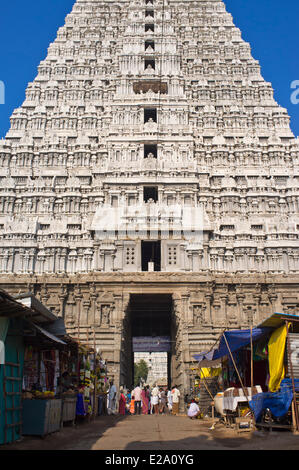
{"x": 150, "y": 169}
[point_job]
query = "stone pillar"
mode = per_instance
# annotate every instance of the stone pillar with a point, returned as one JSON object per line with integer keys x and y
{"x": 180, "y": 366}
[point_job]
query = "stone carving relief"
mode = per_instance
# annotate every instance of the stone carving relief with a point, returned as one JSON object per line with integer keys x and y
{"x": 105, "y": 315}
{"x": 199, "y": 314}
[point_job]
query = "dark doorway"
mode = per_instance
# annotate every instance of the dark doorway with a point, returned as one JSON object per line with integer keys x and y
{"x": 150, "y": 113}
{"x": 150, "y": 150}
{"x": 149, "y": 64}
{"x": 149, "y": 43}
{"x": 149, "y": 28}
{"x": 151, "y": 315}
{"x": 151, "y": 253}
{"x": 149, "y": 13}
{"x": 150, "y": 192}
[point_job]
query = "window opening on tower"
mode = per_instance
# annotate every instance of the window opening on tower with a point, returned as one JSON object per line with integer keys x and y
{"x": 149, "y": 27}
{"x": 149, "y": 13}
{"x": 150, "y": 115}
{"x": 148, "y": 44}
{"x": 151, "y": 255}
{"x": 150, "y": 151}
{"x": 150, "y": 193}
{"x": 149, "y": 64}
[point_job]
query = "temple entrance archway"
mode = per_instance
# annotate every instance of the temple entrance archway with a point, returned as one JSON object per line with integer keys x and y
{"x": 150, "y": 335}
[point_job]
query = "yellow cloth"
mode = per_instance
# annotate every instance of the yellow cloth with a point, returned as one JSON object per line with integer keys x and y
{"x": 210, "y": 372}
{"x": 276, "y": 348}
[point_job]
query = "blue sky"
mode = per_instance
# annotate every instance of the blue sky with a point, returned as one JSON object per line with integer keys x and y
{"x": 28, "y": 27}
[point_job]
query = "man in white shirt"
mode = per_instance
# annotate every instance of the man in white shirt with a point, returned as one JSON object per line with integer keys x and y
{"x": 194, "y": 410}
{"x": 175, "y": 395}
{"x": 137, "y": 394}
{"x": 155, "y": 399}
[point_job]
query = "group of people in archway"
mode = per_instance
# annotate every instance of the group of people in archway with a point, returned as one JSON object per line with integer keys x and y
{"x": 144, "y": 400}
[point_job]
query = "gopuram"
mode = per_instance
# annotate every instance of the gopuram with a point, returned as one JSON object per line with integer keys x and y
{"x": 149, "y": 182}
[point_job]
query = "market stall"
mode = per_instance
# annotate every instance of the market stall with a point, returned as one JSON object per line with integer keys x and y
{"x": 42, "y": 406}
{"x": 16, "y": 319}
{"x": 68, "y": 381}
{"x": 83, "y": 382}
{"x": 47, "y": 378}
{"x": 257, "y": 370}
{"x": 278, "y": 407}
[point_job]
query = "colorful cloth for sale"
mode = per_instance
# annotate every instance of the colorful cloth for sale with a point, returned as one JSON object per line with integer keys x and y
{"x": 80, "y": 406}
{"x": 276, "y": 348}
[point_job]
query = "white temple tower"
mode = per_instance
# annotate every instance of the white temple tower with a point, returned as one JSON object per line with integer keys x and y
{"x": 152, "y": 116}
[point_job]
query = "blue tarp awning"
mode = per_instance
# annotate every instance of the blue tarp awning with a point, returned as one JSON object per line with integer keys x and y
{"x": 236, "y": 340}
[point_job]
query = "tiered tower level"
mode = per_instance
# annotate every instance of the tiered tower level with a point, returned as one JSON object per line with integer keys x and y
{"x": 151, "y": 102}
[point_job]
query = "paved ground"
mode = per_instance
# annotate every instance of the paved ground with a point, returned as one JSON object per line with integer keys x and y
{"x": 156, "y": 433}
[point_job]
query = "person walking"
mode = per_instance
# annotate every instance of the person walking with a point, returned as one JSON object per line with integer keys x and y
{"x": 155, "y": 399}
{"x": 111, "y": 398}
{"x": 122, "y": 402}
{"x": 175, "y": 394}
{"x": 169, "y": 401}
{"x": 132, "y": 405}
{"x": 137, "y": 392}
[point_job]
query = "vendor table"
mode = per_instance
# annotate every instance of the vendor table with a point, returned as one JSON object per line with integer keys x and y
{"x": 41, "y": 417}
{"x": 231, "y": 403}
{"x": 233, "y": 396}
{"x": 69, "y": 409}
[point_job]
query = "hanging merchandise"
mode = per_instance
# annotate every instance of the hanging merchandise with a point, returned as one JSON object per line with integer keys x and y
{"x": 276, "y": 349}
{"x": 87, "y": 384}
{"x": 260, "y": 351}
{"x": 210, "y": 372}
{"x": 101, "y": 372}
{"x": 30, "y": 374}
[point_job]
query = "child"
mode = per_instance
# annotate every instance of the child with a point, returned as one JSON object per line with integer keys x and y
{"x": 132, "y": 405}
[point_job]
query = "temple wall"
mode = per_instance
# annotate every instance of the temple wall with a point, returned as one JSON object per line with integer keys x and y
{"x": 94, "y": 308}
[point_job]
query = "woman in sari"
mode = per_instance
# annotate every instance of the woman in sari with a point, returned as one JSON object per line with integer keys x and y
{"x": 122, "y": 402}
{"x": 145, "y": 400}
